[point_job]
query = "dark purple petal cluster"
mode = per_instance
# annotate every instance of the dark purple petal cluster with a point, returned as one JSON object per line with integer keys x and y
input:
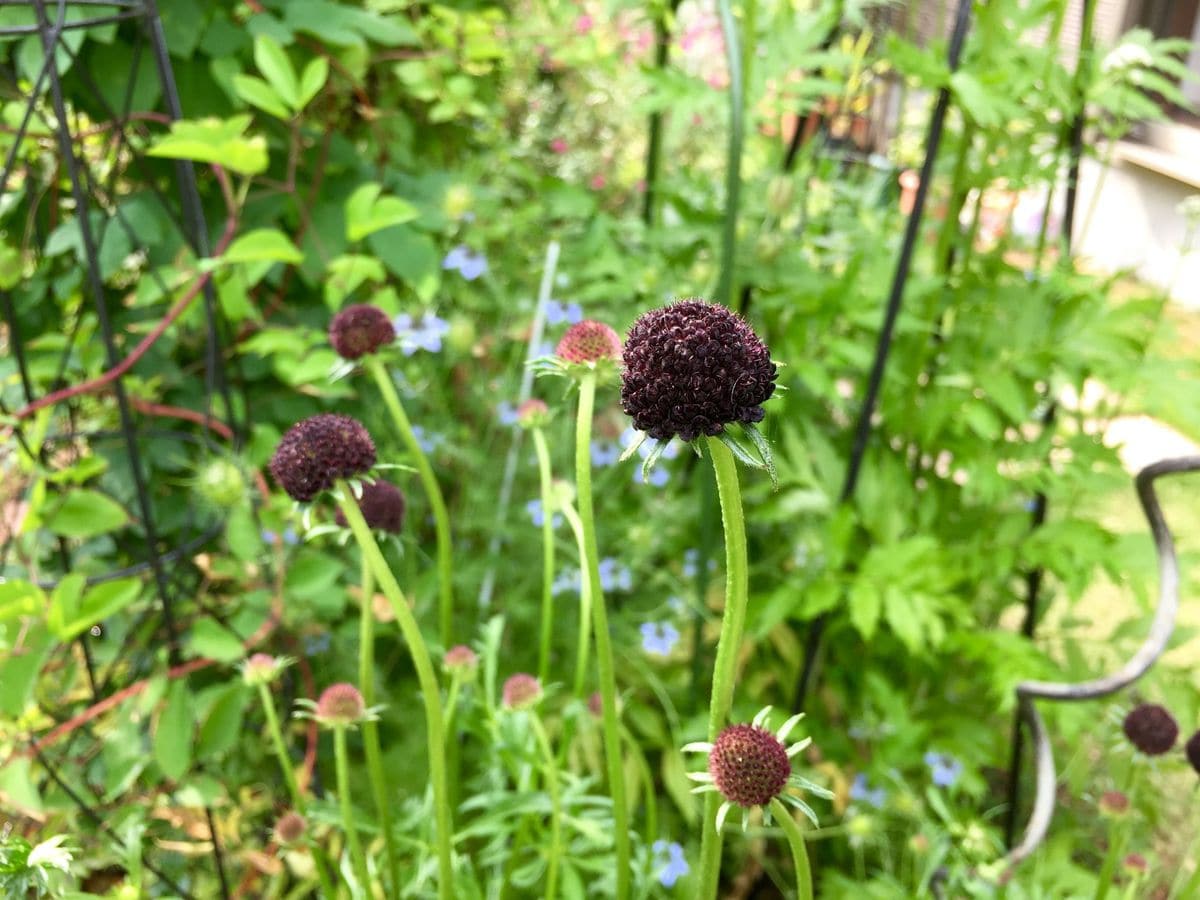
{"x": 1192, "y": 749}
{"x": 360, "y": 329}
{"x": 317, "y": 451}
{"x": 589, "y": 341}
{"x": 749, "y": 765}
{"x": 382, "y": 505}
{"x": 290, "y": 828}
{"x": 693, "y": 367}
{"x": 1151, "y": 729}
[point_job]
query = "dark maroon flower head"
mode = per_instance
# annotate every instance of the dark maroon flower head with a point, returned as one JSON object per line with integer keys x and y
{"x": 290, "y": 827}
{"x": 693, "y": 367}
{"x": 382, "y": 505}
{"x": 521, "y": 691}
{"x": 589, "y": 341}
{"x": 749, "y": 765}
{"x": 341, "y": 704}
{"x": 1151, "y": 729}
{"x": 318, "y": 451}
{"x": 1192, "y": 749}
{"x": 360, "y": 329}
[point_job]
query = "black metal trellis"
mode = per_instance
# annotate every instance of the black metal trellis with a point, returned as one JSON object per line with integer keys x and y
{"x": 64, "y": 175}
{"x": 862, "y": 430}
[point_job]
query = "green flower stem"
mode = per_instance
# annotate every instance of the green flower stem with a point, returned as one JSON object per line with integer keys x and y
{"x": 366, "y": 684}
{"x": 543, "y": 457}
{"x": 604, "y": 654}
{"x": 452, "y": 703}
{"x": 795, "y": 838}
{"x": 342, "y": 763}
{"x": 430, "y": 692}
{"x": 293, "y": 787}
{"x": 543, "y": 740}
{"x": 441, "y": 520}
{"x": 585, "y": 602}
{"x": 733, "y": 623}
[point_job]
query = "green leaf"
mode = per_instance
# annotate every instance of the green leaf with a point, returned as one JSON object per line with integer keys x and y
{"x": 349, "y": 272}
{"x": 18, "y": 786}
{"x": 86, "y": 513}
{"x": 19, "y": 598}
{"x": 974, "y": 98}
{"x": 263, "y": 245}
{"x": 19, "y": 670}
{"x": 315, "y": 75}
{"x": 223, "y": 725}
{"x": 215, "y": 641}
{"x": 173, "y": 735}
{"x": 368, "y": 212}
{"x": 258, "y": 93}
{"x": 865, "y": 607}
{"x": 218, "y": 141}
{"x": 98, "y": 603}
{"x": 275, "y": 66}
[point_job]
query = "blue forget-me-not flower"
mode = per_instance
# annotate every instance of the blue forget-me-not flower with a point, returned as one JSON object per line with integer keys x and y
{"x": 469, "y": 263}
{"x": 563, "y": 313}
{"x": 862, "y": 791}
{"x": 669, "y": 862}
{"x": 426, "y": 334}
{"x": 943, "y": 767}
{"x": 659, "y": 638}
{"x": 534, "y": 508}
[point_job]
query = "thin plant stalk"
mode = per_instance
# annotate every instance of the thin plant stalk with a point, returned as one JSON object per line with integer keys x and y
{"x": 552, "y": 787}
{"x": 733, "y": 623}
{"x": 547, "y": 632}
{"x": 1118, "y": 837}
{"x": 604, "y": 654}
{"x": 635, "y": 750}
{"x": 795, "y": 839}
{"x": 358, "y": 859}
{"x": 430, "y": 692}
{"x": 437, "y": 503}
{"x": 293, "y": 787}
{"x": 585, "y": 602}
{"x": 366, "y": 684}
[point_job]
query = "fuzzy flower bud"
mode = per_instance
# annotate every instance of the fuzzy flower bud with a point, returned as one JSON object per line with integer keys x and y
{"x": 1151, "y": 729}
{"x": 262, "y": 668}
{"x": 1192, "y": 749}
{"x": 521, "y": 691}
{"x": 382, "y": 506}
{"x": 589, "y": 341}
{"x": 693, "y": 367}
{"x": 341, "y": 705}
{"x": 317, "y": 451}
{"x": 1114, "y": 804}
{"x": 460, "y": 659}
{"x": 749, "y": 765}
{"x": 360, "y": 329}
{"x": 290, "y": 828}
{"x": 533, "y": 413}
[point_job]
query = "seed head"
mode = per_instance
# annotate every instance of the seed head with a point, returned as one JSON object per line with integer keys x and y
{"x": 1192, "y": 749}
{"x": 360, "y": 329}
{"x": 1151, "y": 729}
{"x": 749, "y": 765}
{"x": 461, "y": 659}
{"x": 589, "y": 341}
{"x": 521, "y": 691}
{"x": 382, "y": 505}
{"x": 693, "y": 367}
{"x": 317, "y": 451}
{"x": 341, "y": 704}
{"x": 290, "y": 828}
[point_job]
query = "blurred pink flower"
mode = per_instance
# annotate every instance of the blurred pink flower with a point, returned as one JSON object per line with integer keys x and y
{"x": 598, "y": 182}
{"x": 584, "y": 24}
{"x": 558, "y": 145}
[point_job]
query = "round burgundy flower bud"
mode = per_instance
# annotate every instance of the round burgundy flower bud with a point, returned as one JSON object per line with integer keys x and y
{"x": 1192, "y": 749}
{"x": 521, "y": 691}
{"x": 693, "y": 367}
{"x": 749, "y": 765}
{"x": 1135, "y": 864}
{"x": 317, "y": 451}
{"x": 461, "y": 659}
{"x": 595, "y": 704}
{"x": 290, "y": 828}
{"x": 1114, "y": 804}
{"x": 360, "y": 329}
{"x": 1151, "y": 729}
{"x": 589, "y": 341}
{"x": 341, "y": 704}
{"x": 382, "y": 505}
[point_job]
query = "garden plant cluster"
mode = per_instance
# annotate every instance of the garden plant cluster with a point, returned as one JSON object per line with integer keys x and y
{"x": 524, "y": 382}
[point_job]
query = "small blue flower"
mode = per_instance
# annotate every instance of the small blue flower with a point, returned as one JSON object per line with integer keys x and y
{"x": 677, "y": 605}
{"x": 659, "y": 638}
{"x": 944, "y": 768}
{"x": 658, "y": 476}
{"x": 425, "y": 335}
{"x": 861, "y": 790}
{"x": 691, "y": 558}
{"x": 614, "y": 576}
{"x": 428, "y": 441}
{"x": 669, "y": 862}
{"x": 317, "y": 643}
{"x": 604, "y": 454}
{"x": 290, "y": 537}
{"x": 467, "y": 262}
{"x": 566, "y": 582}
{"x": 534, "y": 508}
{"x": 545, "y": 348}
{"x": 559, "y": 314}
{"x": 506, "y": 413}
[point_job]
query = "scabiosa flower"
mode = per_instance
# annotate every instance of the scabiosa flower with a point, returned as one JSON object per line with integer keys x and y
{"x": 316, "y": 452}
{"x": 589, "y": 341}
{"x": 693, "y": 367}
{"x": 262, "y": 668}
{"x": 360, "y": 329}
{"x": 290, "y": 828}
{"x": 521, "y": 691}
{"x": 659, "y": 638}
{"x": 533, "y": 413}
{"x": 339, "y": 706}
{"x": 460, "y": 659}
{"x": 751, "y": 766}
{"x": 1192, "y": 750}
{"x": 469, "y": 263}
{"x": 669, "y": 862}
{"x": 1113, "y": 804}
{"x": 1151, "y": 729}
{"x": 944, "y": 768}
{"x": 382, "y": 505}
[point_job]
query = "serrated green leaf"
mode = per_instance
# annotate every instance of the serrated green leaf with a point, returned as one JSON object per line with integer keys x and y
{"x": 272, "y": 60}
{"x": 173, "y": 734}
{"x": 258, "y": 93}
{"x": 866, "y": 604}
{"x": 85, "y": 513}
{"x": 263, "y": 245}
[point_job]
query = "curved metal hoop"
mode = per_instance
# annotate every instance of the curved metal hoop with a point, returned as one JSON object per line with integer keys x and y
{"x": 1135, "y": 668}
